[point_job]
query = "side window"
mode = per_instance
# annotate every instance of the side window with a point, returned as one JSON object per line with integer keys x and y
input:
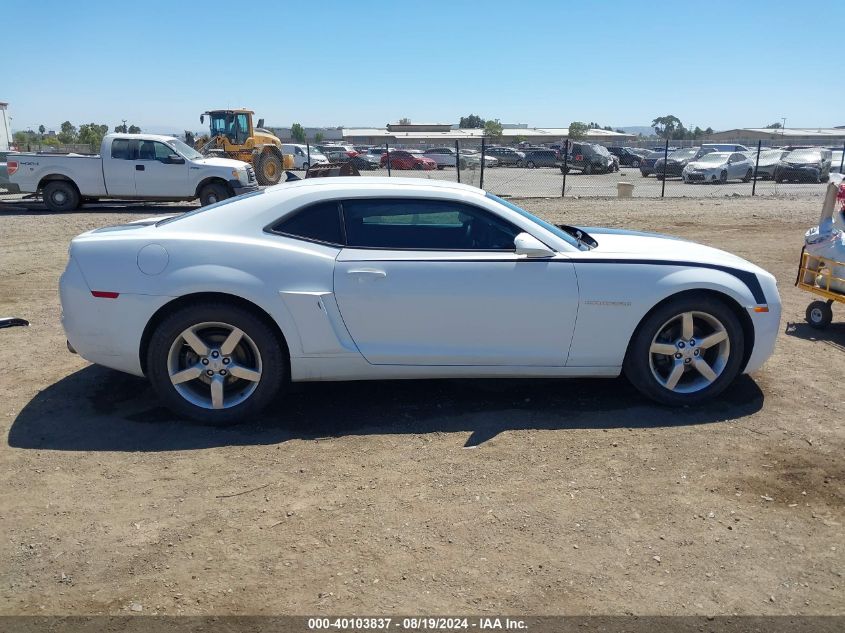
{"x": 319, "y": 223}
{"x": 120, "y": 149}
{"x": 162, "y": 151}
{"x": 420, "y": 224}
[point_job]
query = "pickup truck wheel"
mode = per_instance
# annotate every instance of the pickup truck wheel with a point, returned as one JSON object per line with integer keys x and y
{"x": 61, "y": 196}
{"x": 213, "y": 192}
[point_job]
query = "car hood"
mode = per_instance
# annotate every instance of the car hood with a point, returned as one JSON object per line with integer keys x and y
{"x": 214, "y": 161}
{"x": 651, "y": 246}
{"x": 705, "y": 166}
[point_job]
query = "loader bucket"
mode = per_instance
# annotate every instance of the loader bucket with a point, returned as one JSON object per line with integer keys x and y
{"x": 322, "y": 170}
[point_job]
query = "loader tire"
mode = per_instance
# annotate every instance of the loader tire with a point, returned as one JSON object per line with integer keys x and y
{"x": 269, "y": 168}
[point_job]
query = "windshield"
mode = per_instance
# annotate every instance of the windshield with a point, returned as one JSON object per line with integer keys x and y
{"x": 714, "y": 158}
{"x": 684, "y": 153}
{"x": 600, "y": 149}
{"x": 183, "y": 148}
{"x": 551, "y": 228}
{"x": 805, "y": 154}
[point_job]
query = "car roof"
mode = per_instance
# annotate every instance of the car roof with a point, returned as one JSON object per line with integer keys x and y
{"x": 344, "y": 182}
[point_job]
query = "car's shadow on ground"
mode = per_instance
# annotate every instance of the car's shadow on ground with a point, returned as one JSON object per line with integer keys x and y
{"x": 96, "y": 409}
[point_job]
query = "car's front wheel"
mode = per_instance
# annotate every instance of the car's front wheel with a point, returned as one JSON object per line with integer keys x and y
{"x": 216, "y": 363}
{"x": 686, "y": 350}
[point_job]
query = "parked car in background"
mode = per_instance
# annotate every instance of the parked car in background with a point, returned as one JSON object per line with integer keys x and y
{"x": 588, "y": 158}
{"x": 809, "y": 165}
{"x": 630, "y": 156}
{"x": 443, "y": 156}
{"x": 768, "y": 161}
{"x": 362, "y": 163}
{"x": 130, "y": 167}
{"x": 506, "y": 155}
{"x": 471, "y": 158}
{"x": 540, "y": 157}
{"x": 836, "y": 166}
{"x": 303, "y": 155}
{"x": 408, "y": 159}
{"x": 676, "y": 162}
{"x": 648, "y": 161}
{"x": 719, "y": 167}
{"x": 373, "y": 160}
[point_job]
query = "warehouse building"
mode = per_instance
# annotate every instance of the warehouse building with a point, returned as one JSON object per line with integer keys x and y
{"x": 833, "y": 137}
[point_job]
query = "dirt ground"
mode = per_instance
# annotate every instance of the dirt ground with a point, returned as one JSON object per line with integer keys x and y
{"x": 426, "y": 497}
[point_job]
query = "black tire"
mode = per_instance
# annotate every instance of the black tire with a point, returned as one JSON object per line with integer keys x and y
{"x": 819, "y": 314}
{"x": 638, "y": 363}
{"x": 418, "y": 166}
{"x": 530, "y": 164}
{"x": 635, "y": 163}
{"x": 463, "y": 164}
{"x": 748, "y": 176}
{"x": 658, "y": 176}
{"x": 61, "y": 196}
{"x": 214, "y": 192}
{"x": 305, "y": 166}
{"x": 519, "y": 163}
{"x": 440, "y": 167}
{"x": 269, "y": 168}
{"x": 723, "y": 177}
{"x": 588, "y": 169}
{"x": 564, "y": 170}
{"x": 273, "y": 355}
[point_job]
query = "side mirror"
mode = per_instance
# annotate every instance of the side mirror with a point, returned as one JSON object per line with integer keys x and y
{"x": 529, "y": 246}
{"x": 173, "y": 159}
{"x": 202, "y": 118}
{"x": 260, "y": 123}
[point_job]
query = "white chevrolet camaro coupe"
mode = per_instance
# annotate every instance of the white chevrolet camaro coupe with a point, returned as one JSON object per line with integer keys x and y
{"x": 377, "y": 278}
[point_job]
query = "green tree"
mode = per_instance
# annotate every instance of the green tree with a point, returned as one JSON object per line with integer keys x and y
{"x": 578, "y": 130}
{"x": 493, "y": 129}
{"x": 667, "y": 126}
{"x": 134, "y": 129}
{"x": 708, "y": 131}
{"x": 318, "y": 137}
{"x": 473, "y": 121}
{"x": 52, "y": 141}
{"x": 120, "y": 129}
{"x": 774, "y": 126}
{"x": 42, "y": 130}
{"x": 68, "y": 134}
{"x": 297, "y": 133}
{"x": 92, "y": 134}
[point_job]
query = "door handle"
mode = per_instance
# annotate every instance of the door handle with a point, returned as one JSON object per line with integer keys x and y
{"x": 367, "y": 272}
{"x": 139, "y": 168}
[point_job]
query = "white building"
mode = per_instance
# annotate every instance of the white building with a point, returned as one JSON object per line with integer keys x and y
{"x": 5, "y": 128}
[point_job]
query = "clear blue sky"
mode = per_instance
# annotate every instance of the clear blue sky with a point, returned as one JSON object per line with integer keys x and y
{"x": 546, "y": 63}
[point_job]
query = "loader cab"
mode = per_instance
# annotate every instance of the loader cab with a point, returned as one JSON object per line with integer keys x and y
{"x": 235, "y": 126}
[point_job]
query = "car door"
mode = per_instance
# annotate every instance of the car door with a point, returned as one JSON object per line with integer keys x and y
{"x": 155, "y": 177}
{"x": 438, "y": 282}
{"x": 737, "y": 165}
{"x": 119, "y": 167}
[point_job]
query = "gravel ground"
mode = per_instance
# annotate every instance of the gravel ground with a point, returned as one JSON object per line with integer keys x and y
{"x": 435, "y": 497}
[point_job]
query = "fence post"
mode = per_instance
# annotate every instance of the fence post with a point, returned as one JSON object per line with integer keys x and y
{"x": 665, "y": 159}
{"x": 565, "y": 167}
{"x": 458, "y": 159}
{"x": 756, "y": 167}
{"x": 481, "y": 177}
{"x": 842, "y": 160}
{"x": 387, "y": 151}
{"x": 308, "y": 154}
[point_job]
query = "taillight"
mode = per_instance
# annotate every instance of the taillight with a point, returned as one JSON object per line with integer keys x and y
{"x": 12, "y": 166}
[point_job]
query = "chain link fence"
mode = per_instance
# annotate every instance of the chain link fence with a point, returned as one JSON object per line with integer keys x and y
{"x": 587, "y": 169}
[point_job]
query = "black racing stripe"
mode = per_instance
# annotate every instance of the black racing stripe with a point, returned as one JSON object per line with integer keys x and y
{"x": 745, "y": 276}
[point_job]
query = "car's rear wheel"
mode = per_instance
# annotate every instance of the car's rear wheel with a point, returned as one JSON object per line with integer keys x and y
{"x": 686, "y": 350}
{"x": 216, "y": 363}
{"x": 61, "y": 196}
{"x": 588, "y": 169}
{"x": 530, "y": 164}
{"x": 635, "y": 163}
{"x": 723, "y": 177}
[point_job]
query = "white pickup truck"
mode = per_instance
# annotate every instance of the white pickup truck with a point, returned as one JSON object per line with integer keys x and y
{"x": 130, "y": 167}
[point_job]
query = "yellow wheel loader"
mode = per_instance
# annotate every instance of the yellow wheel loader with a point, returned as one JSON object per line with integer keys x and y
{"x": 233, "y": 136}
